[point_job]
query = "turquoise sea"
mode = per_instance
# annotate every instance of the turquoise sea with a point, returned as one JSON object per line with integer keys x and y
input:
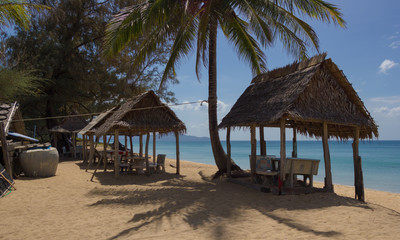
{"x": 380, "y": 159}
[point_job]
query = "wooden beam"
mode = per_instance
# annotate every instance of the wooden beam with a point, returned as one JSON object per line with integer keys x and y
{"x": 283, "y": 149}
{"x": 147, "y": 155}
{"x": 91, "y": 150}
{"x": 74, "y": 144}
{"x": 358, "y": 174}
{"x": 105, "y": 151}
{"x": 4, "y": 146}
{"x": 141, "y": 145}
{"x": 84, "y": 158}
{"x": 294, "y": 152}
{"x": 263, "y": 147}
{"x": 55, "y": 140}
{"x": 253, "y": 142}
{"x": 327, "y": 159}
{"x": 154, "y": 147}
{"x": 177, "y": 152}
{"x": 131, "y": 142}
{"x": 116, "y": 153}
{"x": 228, "y": 149}
{"x": 126, "y": 143}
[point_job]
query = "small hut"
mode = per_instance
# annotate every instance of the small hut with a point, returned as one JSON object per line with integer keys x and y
{"x": 138, "y": 116}
{"x": 314, "y": 98}
{"x": 10, "y": 121}
{"x": 68, "y": 128}
{"x": 11, "y": 117}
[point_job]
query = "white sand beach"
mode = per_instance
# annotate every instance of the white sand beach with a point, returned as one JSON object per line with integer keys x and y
{"x": 189, "y": 206}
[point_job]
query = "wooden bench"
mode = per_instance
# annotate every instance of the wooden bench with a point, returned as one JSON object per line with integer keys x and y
{"x": 301, "y": 166}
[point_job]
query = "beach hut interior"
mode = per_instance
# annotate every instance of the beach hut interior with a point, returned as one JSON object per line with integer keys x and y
{"x": 312, "y": 97}
{"x": 140, "y": 116}
{"x": 61, "y": 135}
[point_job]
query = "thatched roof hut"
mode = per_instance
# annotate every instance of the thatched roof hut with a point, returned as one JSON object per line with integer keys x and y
{"x": 138, "y": 116}
{"x": 70, "y": 125}
{"x": 314, "y": 98}
{"x": 306, "y": 94}
{"x": 142, "y": 114}
{"x": 11, "y": 117}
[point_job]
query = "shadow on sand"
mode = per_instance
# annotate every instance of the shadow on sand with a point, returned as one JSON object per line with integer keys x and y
{"x": 206, "y": 201}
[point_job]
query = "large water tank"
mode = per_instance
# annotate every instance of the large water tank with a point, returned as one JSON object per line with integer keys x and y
{"x": 40, "y": 162}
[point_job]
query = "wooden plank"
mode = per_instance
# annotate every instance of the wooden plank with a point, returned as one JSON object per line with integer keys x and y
{"x": 263, "y": 147}
{"x": 6, "y": 157}
{"x": 283, "y": 149}
{"x": 116, "y": 153}
{"x": 154, "y": 147}
{"x": 228, "y": 149}
{"x": 177, "y": 153}
{"x": 253, "y": 142}
{"x": 358, "y": 175}
{"x": 147, "y": 155}
{"x": 327, "y": 159}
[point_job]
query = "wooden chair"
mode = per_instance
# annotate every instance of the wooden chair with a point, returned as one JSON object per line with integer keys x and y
{"x": 160, "y": 164}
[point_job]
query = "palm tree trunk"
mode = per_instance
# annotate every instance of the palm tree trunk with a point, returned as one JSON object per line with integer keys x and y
{"x": 220, "y": 156}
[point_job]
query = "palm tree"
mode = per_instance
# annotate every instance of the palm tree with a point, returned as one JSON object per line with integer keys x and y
{"x": 193, "y": 25}
{"x": 17, "y": 12}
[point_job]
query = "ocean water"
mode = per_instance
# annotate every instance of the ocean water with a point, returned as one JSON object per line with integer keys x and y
{"x": 380, "y": 159}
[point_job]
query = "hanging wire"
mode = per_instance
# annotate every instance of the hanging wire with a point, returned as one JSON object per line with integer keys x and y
{"x": 91, "y": 114}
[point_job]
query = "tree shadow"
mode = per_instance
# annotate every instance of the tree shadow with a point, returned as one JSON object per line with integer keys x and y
{"x": 205, "y": 201}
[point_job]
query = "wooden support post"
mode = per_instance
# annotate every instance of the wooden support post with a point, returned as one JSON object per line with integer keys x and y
{"x": 263, "y": 147}
{"x": 228, "y": 149}
{"x": 130, "y": 140}
{"x": 283, "y": 149}
{"x": 84, "y": 157}
{"x": 327, "y": 159}
{"x": 253, "y": 142}
{"x": 141, "y": 145}
{"x": 105, "y": 151}
{"x": 55, "y": 141}
{"x": 177, "y": 153}
{"x": 126, "y": 143}
{"x": 154, "y": 147}
{"x": 74, "y": 144}
{"x": 147, "y": 154}
{"x": 116, "y": 153}
{"x": 358, "y": 174}
{"x": 294, "y": 152}
{"x": 4, "y": 146}
{"x": 91, "y": 150}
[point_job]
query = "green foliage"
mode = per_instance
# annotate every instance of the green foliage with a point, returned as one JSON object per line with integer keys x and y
{"x": 17, "y": 12}
{"x": 64, "y": 46}
{"x": 16, "y": 84}
{"x": 247, "y": 24}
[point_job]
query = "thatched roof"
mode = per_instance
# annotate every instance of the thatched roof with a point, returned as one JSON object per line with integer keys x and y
{"x": 141, "y": 114}
{"x": 306, "y": 94}
{"x": 97, "y": 121}
{"x": 8, "y": 113}
{"x": 70, "y": 125}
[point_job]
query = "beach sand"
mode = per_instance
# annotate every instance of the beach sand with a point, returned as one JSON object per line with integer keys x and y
{"x": 189, "y": 206}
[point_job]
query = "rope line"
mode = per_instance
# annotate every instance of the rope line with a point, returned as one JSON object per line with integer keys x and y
{"x": 91, "y": 114}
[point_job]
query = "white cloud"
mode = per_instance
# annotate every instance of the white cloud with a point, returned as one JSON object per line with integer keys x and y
{"x": 387, "y": 100}
{"x": 388, "y": 112}
{"x": 386, "y": 65}
{"x": 395, "y": 44}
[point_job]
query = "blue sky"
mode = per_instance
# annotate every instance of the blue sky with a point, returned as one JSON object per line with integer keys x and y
{"x": 367, "y": 51}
